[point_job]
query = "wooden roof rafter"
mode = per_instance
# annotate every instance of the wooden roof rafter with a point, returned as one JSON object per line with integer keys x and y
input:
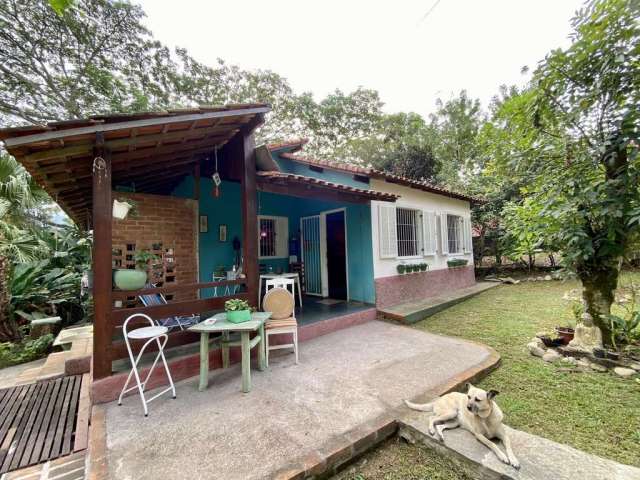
{"x": 149, "y": 150}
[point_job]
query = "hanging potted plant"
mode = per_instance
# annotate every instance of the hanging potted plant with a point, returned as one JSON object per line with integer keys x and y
{"x": 123, "y": 208}
{"x": 135, "y": 279}
{"x": 238, "y": 310}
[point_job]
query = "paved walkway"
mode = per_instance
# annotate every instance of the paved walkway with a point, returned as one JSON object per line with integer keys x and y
{"x": 345, "y": 379}
{"x": 411, "y": 312}
{"x": 540, "y": 459}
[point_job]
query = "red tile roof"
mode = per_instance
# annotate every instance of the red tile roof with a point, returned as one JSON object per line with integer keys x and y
{"x": 292, "y": 145}
{"x": 380, "y": 174}
{"x": 361, "y": 192}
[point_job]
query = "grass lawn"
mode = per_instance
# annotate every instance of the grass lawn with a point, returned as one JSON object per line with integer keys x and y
{"x": 595, "y": 412}
{"x": 397, "y": 460}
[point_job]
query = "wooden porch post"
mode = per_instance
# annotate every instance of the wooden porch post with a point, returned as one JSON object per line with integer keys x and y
{"x": 249, "y": 214}
{"x": 102, "y": 260}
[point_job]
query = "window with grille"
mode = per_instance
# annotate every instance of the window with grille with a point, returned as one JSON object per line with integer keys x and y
{"x": 267, "y": 237}
{"x": 273, "y": 237}
{"x": 454, "y": 233}
{"x": 409, "y": 227}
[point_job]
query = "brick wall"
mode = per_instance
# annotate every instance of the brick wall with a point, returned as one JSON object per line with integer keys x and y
{"x": 166, "y": 225}
{"x": 412, "y": 287}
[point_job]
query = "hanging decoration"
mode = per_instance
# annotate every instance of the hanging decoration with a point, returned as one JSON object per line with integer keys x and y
{"x": 216, "y": 176}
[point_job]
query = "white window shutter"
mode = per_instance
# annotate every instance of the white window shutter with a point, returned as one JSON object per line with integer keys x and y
{"x": 429, "y": 236}
{"x": 282, "y": 237}
{"x": 444, "y": 234}
{"x": 466, "y": 233}
{"x": 387, "y": 233}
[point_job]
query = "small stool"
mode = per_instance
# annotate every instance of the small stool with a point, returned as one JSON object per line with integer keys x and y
{"x": 153, "y": 333}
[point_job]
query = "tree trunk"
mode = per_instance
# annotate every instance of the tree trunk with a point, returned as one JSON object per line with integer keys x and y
{"x": 598, "y": 292}
{"x": 9, "y": 331}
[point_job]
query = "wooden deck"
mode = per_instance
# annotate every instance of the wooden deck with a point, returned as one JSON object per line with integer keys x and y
{"x": 42, "y": 421}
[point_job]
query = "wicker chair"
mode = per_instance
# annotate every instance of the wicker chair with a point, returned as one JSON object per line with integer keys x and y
{"x": 281, "y": 303}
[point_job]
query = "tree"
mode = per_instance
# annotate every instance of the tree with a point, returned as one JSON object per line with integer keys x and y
{"x": 457, "y": 122}
{"x": 402, "y": 144}
{"x": 575, "y": 139}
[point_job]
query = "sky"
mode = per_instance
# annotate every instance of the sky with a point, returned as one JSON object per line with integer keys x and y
{"x": 411, "y": 51}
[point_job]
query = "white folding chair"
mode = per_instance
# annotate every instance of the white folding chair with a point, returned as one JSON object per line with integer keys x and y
{"x": 153, "y": 333}
{"x": 281, "y": 303}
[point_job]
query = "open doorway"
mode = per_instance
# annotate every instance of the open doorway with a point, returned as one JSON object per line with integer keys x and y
{"x": 336, "y": 238}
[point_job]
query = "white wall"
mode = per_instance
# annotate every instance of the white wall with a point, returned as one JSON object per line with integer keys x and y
{"x": 417, "y": 199}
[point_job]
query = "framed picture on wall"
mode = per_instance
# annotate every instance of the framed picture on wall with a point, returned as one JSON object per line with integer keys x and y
{"x": 204, "y": 224}
{"x": 222, "y": 233}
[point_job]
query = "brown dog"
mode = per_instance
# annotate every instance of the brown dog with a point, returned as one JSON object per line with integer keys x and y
{"x": 476, "y": 412}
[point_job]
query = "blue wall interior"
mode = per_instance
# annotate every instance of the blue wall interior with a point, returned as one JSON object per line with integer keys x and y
{"x": 225, "y": 210}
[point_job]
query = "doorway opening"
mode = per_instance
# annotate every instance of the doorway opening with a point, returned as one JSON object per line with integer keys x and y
{"x": 336, "y": 238}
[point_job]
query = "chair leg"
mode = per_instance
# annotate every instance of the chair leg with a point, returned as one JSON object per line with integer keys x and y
{"x": 166, "y": 367}
{"x": 295, "y": 345}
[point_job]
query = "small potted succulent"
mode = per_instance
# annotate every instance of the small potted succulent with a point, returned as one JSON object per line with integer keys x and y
{"x": 401, "y": 268}
{"x": 424, "y": 267}
{"x": 135, "y": 279}
{"x": 238, "y": 310}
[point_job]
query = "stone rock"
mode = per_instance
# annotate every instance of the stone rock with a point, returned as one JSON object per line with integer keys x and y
{"x": 587, "y": 336}
{"x": 635, "y": 366}
{"x": 569, "y": 361}
{"x": 540, "y": 279}
{"x": 535, "y": 349}
{"x": 551, "y": 356}
{"x": 547, "y": 278}
{"x": 624, "y": 372}
{"x": 596, "y": 367}
{"x": 582, "y": 363}
{"x": 509, "y": 280}
{"x": 539, "y": 342}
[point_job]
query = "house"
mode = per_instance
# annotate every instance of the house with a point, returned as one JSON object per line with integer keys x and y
{"x": 344, "y": 228}
{"x": 426, "y": 224}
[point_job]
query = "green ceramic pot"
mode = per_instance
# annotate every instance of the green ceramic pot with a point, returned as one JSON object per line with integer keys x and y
{"x": 126, "y": 279}
{"x": 239, "y": 316}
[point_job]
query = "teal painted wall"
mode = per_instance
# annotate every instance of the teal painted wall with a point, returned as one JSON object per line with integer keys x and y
{"x": 289, "y": 166}
{"x": 226, "y": 210}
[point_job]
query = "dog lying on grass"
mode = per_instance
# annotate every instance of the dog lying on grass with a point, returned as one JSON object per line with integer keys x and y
{"x": 476, "y": 412}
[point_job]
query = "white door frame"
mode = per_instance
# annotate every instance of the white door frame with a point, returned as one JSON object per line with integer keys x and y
{"x": 323, "y": 250}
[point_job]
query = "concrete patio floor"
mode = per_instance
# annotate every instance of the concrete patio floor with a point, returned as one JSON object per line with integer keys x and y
{"x": 344, "y": 379}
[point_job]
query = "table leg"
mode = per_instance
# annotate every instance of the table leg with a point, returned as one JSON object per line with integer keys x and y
{"x": 204, "y": 361}
{"x": 262, "y": 361}
{"x": 224, "y": 346}
{"x": 259, "y": 292}
{"x": 246, "y": 362}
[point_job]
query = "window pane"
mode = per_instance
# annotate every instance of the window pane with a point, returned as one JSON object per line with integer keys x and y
{"x": 267, "y": 237}
{"x": 408, "y": 232}
{"x": 453, "y": 230}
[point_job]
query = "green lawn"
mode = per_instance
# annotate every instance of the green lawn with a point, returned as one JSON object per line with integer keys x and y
{"x": 595, "y": 412}
{"x": 397, "y": 460}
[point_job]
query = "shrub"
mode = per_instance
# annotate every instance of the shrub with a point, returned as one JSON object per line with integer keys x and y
{"x": 26, "y": 351}
{"x": 401, "y": 268}
{"x": 457, "y": 262}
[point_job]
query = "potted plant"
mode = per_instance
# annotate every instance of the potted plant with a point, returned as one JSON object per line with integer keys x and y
{"x": 124, "y": 207}
{"x": 238, "y": 310}
{"x": 401, "y": 267}
{"x": 565, "y": 333}
{"x": 424, "y": 267}
{"x": 135, "y": 279}
{"x": 457, "y": 262}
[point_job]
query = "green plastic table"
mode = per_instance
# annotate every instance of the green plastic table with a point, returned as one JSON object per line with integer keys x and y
{"x": 246, "y": 344}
